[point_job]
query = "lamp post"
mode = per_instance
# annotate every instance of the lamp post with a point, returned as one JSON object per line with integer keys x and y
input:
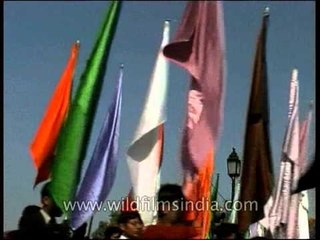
{"x": 234, "y": 165}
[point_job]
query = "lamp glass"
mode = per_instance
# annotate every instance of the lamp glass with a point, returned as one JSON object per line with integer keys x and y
{"x": 232, "y": 167}
{"x": 233, "y": 164}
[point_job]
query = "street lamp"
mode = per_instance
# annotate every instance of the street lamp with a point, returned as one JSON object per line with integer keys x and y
{"x": 234, "y": 165}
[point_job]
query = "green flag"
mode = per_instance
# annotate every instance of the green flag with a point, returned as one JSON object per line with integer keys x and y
{"x": 74, "y": 137}
{"x": 214, "y": 198}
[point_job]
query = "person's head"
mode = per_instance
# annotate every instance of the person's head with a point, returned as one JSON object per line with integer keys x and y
{"x": 130, "y": 223}
{"x": 48, "y": 203}
{"x": 170, "y": 203}
{"x": 219, "y": 216}
{"x": 226, "y": 231}
{"x": 112, "y": 232}
{"x": 80, "y": 232}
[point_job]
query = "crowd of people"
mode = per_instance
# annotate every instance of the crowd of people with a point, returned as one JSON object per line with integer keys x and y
{"x": 39, "y": 222}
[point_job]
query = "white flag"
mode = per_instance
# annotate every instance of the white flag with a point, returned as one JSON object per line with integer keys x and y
{"x": 145, "y": 151}
{"x": 283, "y": 217}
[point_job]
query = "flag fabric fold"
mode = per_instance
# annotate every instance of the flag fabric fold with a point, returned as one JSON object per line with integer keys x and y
{"x": 304, "y": 140}
{"x": 303, "y": 218}
{"x": 198, "y": 47}
{"x": 101, "y": 172}
{"x": 257, "y": 172}
{"x": 306, "y": 181}
{"x": 198, "y": 189}
{"x": 284, "y": 211}
{"x": 74, "y": 136}
{"x": 128, "y": 204}
{"x": 307, "y": 171}
{"x": 261, "y": 228}
{"x": 292, "y": 150}
{"x": 144, "y": 155}
{"x": 232, "y": 217}
{"x": 43, "y": 144}
{"x": 214, "y": 201}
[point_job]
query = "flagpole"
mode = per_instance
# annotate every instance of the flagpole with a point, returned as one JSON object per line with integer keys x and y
{"x": 90, "y": 226}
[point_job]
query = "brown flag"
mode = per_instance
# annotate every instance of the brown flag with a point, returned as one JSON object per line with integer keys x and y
{"x": 257, "y": 173}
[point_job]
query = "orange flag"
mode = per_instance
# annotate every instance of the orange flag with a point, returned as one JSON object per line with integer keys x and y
{"x": 197, "y": 189}
{"x": 43, "y": 144}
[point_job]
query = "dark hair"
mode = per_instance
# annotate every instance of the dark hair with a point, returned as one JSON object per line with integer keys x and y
{"x": 219, "y": 216}
{"x": 170, "y": 193}
{"x": 225, "y": 229}
{"x": 55, "y": 211}
{"x": 45, "y": 190}
{"x": 110, "y": 230}
{"x": 125, "y": 216}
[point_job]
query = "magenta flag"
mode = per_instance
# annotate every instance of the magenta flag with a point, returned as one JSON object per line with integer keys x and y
{"x": 198, "y": 47}
{"x": 303, "y": 218}
{"x": 307, "y": 170}
{"x": 304, "y": 140}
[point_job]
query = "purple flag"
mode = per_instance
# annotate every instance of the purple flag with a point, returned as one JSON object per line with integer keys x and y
{"x": 101, "y": 172}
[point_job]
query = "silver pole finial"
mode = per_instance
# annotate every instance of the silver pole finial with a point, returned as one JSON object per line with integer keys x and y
{"x": 311, "y": 104}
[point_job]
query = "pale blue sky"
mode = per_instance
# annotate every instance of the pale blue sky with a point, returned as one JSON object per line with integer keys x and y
{"x": 37, "y": 40}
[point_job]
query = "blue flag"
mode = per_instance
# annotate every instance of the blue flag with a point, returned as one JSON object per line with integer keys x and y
{"x": 101, "y": 172}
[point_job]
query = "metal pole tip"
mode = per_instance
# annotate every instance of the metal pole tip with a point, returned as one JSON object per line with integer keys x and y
{"x": 311, "y": 104}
